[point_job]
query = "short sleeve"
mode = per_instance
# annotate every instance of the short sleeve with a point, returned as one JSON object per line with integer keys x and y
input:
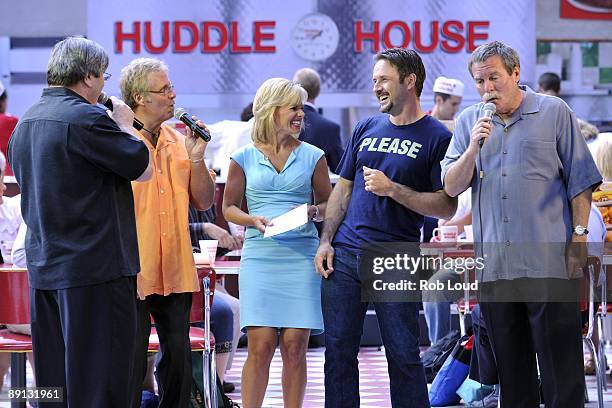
{"x": 347, "y": 167}
{"x": 109, "y": 148}
{"x": 458, "y": 144}
{"x": 579, "y": 169}
{"x": 438, "y": 156}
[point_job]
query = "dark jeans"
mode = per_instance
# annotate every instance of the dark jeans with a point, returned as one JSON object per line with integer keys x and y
{"x": 343, "y": 314}
{"x": 173, "y": 370}
{"x": 83, "y": 341}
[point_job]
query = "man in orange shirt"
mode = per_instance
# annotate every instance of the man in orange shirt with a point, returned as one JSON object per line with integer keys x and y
{"x": 167, "y": 275}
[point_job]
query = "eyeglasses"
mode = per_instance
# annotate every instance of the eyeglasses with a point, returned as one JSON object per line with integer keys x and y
{"x": 165, "y": 91}
{"x": 106, "y": 76}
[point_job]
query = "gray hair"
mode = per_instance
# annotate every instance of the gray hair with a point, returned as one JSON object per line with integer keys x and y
{"x": 310, "y": 81}
{"x": 73, "y": 58}
{"x": 507, "y": 54}
{"x": 134, "y": 78}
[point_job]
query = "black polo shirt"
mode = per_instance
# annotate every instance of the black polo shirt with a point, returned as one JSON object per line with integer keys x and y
{"x": 74, "y": 166}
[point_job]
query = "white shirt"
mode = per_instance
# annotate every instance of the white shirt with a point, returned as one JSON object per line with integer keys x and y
{"x": 10, "y": 219}
{"x": 226, "y": 137}
{"x": 18, "y": 253}
{"x": 464, "y": 204}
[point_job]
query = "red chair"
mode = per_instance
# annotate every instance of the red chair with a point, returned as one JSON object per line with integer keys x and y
{"x": 15, "y": 309}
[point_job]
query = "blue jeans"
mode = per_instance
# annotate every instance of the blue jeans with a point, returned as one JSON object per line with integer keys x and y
{"x": 343, "y": 314}
{"x": 437, "y": 316}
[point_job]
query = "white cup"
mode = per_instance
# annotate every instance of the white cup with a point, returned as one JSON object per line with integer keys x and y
{"x": 209, "y": 246}
{"x": 446, "y": 233}
{"x": 469, "y": 233}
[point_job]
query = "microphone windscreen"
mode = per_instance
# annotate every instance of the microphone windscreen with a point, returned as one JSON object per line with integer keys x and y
{"x": 489, "y": 109}
{"x": 179, "y": 112}
{"x": 105, "y": 100}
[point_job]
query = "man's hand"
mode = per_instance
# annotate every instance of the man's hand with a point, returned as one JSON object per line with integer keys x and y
{"x": 121, "y": 114}
{"x": 481, "y": 130}
{"x": 195, "y": 146}
{"x": 576, "y": 256}
{"x": 377, "y": 182}
{"x": 213, "y": 175}
{"x": 324, "y": 260}
{"x": 226, "y": 240}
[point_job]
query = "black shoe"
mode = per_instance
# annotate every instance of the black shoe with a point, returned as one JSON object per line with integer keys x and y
{"x": 228, "y": 387}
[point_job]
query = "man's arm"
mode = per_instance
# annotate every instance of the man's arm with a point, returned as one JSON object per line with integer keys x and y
{"x": 201, "y": 186}
{"x": 581, "y": 206}
{"x": 201, "y": 183}
{"x": 459, "y": 176}
{"x": 337, "y": 206}
{"x": 576, "y": 254}
{"x": 437, "y": 204}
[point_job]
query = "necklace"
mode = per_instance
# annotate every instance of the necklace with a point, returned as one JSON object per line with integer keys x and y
{"x": 155, "y": 136}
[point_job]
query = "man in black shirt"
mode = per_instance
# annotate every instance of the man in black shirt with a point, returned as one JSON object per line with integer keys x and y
{"x": 74, "y": 162}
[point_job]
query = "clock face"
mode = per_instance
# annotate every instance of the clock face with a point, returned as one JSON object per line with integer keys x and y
{"x": 315, "y": 37}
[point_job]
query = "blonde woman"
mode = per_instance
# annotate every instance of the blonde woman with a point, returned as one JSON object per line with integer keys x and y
{"x": 279, "y": 288}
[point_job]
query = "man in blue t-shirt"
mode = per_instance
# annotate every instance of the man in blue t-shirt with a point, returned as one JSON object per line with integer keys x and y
{"x": 389, "y": 179}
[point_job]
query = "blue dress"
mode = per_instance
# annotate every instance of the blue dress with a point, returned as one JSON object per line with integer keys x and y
{"x": 279, "y": 286}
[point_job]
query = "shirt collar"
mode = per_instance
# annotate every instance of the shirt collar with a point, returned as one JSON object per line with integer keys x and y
{"x": 312, "y": 105}
{"x": 61, "y": 91}
{"x": 166, "y": 136}
{"x": 530, "y": 103}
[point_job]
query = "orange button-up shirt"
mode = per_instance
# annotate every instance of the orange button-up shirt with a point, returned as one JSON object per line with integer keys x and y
{"x": 162, "y": 219}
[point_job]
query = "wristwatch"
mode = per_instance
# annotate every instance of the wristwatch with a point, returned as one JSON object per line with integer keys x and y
{"x": 580, "y": 230}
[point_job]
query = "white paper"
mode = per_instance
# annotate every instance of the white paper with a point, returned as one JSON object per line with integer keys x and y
{"x": 288, "y": 221}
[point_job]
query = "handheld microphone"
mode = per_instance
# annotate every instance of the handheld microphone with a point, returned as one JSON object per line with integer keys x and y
{"x": 182, "y": 115}
{"x": 105, "y": 100}
{"x": 489, "y": 110}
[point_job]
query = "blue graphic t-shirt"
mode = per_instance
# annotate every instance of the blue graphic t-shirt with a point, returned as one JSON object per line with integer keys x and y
{"x": 408, "y": 155}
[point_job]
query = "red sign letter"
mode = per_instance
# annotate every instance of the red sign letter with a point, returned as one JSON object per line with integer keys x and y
{"x": 405, "y": 34}
{"x": 165, "y": 38}
{"x": 192, "y": 29}
{"x": 206, "y": 34}
{"x": 452, "y": 36}
{"x": 259, "y": 36}
{"x": 472, "y": 35}
{"x": 418, "y": 44}
{"x": 120, "y": 37}
{"x": 234, "y": 46}
{"x": 373, "y": 36}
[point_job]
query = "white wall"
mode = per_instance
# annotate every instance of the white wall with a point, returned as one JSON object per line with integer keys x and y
{"x": 43, "y": 18}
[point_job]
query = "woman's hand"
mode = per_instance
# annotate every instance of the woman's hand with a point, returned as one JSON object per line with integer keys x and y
{"x": 260, "y": 223}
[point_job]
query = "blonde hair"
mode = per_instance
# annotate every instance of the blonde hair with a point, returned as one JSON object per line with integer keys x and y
{"x": 134, "y": 78}
{"x": 603, "y": 159}
{"x": 271, "y": 95}
{"x": 588, "y": 131}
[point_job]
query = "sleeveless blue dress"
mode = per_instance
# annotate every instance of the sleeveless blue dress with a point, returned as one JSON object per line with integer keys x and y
{"x": 279, "y": 286}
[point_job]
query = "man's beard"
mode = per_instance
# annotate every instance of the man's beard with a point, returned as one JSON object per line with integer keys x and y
{"x": 386, "y": 108}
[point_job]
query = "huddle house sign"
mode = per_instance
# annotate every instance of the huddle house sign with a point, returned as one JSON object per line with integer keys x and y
{"x": 315, "y": 36}
{"x": 216, "y": 46}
